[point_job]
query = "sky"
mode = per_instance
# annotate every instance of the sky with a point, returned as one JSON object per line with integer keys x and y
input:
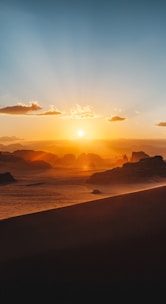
{"x": 96, "y": 67}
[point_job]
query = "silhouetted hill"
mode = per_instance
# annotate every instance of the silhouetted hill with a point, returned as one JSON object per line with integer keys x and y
{"x": 32, "y": 155}
{"x": 26, "y": 158}
{"x": 68, "y": 160}
{"x": 8, "y": 157}
{"x": 9, "y": 161}
{"x": 38, "y": 164}
{"x": 141, "y": 171}
{"x": 11, "y": 147}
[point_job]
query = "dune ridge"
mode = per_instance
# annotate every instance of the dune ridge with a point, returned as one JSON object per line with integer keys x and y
{"x": 105, "y": 246}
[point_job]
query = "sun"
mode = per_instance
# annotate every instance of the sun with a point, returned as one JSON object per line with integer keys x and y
{"x": 80, "y": 133}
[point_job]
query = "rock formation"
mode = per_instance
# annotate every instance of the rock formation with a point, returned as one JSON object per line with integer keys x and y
{"x": 137, "y": 156}
{"x": 96, "y": 191}
{"x": 144, "y": 170}
{"x": 6, "y": 178}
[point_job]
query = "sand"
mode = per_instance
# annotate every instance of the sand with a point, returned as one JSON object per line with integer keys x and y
{"x": 103, "y": 249}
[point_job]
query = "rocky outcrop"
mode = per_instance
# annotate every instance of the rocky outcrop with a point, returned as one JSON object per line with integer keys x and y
{"x": 144, "y": 170}
{"x": 6, "y": 178}
{"x": 96, "y": 191}
{"x": 137, "y": 156}
{"x": 120, "y": 162}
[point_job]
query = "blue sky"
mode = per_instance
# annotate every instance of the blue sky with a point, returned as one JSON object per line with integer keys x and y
{"x": 109, "y": 56}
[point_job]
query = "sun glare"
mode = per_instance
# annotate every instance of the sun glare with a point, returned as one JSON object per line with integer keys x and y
{"x": 80, "y": 133}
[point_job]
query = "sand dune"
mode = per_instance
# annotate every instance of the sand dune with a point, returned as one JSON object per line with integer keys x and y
{"x": 101, "y": 248}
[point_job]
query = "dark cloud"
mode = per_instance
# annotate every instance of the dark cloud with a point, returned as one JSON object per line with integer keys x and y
{"x": 9, "y": 138}
{"x": 161, "y": 124}
{"x": 116, "y": 118}
{"x": 21, "y": 109}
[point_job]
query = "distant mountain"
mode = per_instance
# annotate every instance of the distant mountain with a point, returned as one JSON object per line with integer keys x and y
{"x": 68, "y": 160}
{"x": 144, "y": 170}
{"x": 37, "y": 159}
{"x": 9, "y": 161}
{"x": 32, "y": 155}
{"x": 11, "y": 147}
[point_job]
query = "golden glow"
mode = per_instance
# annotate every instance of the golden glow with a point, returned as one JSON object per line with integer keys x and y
{"x": 80, "y": 133}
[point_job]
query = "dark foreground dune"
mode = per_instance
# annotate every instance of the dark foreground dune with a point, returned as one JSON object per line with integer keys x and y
{"x": 106, "y": 249}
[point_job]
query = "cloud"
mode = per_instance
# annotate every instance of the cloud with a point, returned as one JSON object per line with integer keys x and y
{"x": 21, "y": 109}
{"x": 9, "y": 138}
{"x": 161, "y": 124}
{"x": 82, "y": 112}
{"x": 116, "y": 118}
{"x": 49, "y": 113}
{"x": 53, "y": 111}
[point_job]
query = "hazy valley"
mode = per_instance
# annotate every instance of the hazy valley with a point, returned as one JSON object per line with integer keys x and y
{"x": 46, "y": 180}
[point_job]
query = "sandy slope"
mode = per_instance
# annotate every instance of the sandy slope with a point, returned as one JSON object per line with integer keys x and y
{"x": 109, "y": 247}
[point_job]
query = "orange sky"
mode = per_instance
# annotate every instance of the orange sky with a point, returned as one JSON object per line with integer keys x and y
{"x": 32, "y": 122}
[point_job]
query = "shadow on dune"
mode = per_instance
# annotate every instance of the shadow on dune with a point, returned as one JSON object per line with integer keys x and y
{"x": 104, "y": 249}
